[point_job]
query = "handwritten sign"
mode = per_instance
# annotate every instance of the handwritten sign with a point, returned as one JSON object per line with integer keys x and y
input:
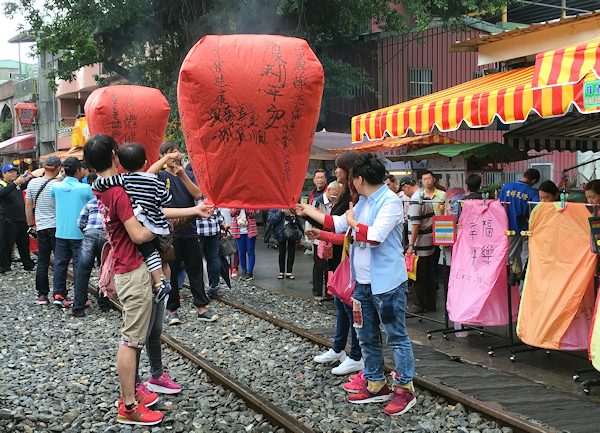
{"x": 249, "y": 106}
{"x": 477, "y": 292}
{"x": 129, "y": 114}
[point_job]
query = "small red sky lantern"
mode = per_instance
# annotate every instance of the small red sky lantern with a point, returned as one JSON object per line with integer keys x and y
{"x": 26, "y": 112}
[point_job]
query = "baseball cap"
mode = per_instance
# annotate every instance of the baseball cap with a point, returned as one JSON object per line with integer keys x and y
{"x": 407, "y": 181}
{"x": 52, "y": 161}
{"x": 71, "y": 163}
{"x": 8, "y": 167}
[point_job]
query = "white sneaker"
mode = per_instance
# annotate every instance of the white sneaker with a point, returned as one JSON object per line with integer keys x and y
{"x": 348, "y": 366}
{"x": 330, "y": 356}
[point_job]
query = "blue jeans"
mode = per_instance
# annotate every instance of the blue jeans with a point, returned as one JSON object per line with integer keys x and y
{"x": 246, "y": 247}
{"x": 387, "y": 309}
{"x": 90, "y": 250}
{"x": 210, "y": 248}
{"x": 343, "y": 325}
{"x": 65, "y": 250}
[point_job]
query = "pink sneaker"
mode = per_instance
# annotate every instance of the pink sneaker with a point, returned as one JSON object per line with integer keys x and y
{"x": 163, "y": 385}
{"x": 355, "y": 384}
{"x": 353, "y": 377}
{"x": 144, "y": 395}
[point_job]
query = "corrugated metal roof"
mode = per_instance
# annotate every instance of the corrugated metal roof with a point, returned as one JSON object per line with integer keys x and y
{"x": 472, "y": 44}
{"x": 535, "y": 11}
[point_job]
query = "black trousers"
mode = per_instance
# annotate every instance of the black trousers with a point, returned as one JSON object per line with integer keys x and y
{"x": 46, "y": 244}
{"x": 287, "y": 246}
{"x": 319, "y": 273}
{"x": 12, "y": 232}
{"x": 425, "y": 287}
{"x": 187, "y": 250}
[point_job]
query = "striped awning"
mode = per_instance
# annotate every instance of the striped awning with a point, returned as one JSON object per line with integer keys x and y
{"x": 506, "y": 96}
{"x": 398, "y": 146}
{"x": 567, "y": 65}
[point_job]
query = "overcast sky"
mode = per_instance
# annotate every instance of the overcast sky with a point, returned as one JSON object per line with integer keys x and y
{"x": 8, "y": 29}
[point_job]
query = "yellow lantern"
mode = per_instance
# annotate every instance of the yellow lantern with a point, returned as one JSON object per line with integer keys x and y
{"x": 17, "y": 162}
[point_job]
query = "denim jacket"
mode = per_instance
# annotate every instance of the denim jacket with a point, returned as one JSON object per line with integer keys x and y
{"x": 388, "y": 268}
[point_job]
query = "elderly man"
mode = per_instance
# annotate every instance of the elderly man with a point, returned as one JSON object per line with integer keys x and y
{"x": 13, "y": 226}
{"x": 324, "y": 203}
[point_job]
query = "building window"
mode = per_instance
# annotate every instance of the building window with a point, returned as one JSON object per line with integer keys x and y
{"x": 420, "y": 82}
{"x": 545, "y": 169}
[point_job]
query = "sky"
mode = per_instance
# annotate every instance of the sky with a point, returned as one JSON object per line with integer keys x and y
{"x": 8, "y": 29}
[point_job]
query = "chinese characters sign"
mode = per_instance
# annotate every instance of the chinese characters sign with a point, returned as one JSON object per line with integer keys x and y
{"x": 129, "y": 114}
{"x": 591, "y": 94}
{"x": 249, "y": 106}
{"x": 477, "y": 290}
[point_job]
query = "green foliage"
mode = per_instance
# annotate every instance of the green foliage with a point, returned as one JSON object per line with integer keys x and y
{"x": 6, "y": 131}
{"x": 145, "y": 41}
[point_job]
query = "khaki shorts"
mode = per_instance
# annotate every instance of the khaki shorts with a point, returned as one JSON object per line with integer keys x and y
{"x": 134, "y": 290}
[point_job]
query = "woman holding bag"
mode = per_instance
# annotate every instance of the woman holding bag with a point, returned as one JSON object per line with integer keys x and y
{"x": 287, "y": 229}
{"x": 243, "y": 229}
{"x": 344, "y": 320}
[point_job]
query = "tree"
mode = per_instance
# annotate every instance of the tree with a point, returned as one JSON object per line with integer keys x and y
{"x": 145, "y": 41}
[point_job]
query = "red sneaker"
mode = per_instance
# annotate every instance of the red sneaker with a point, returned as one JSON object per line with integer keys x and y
{"x": 356, "y": 383}
{"x": 365, "y": 396}
{"x": 142, "y": 395}
{"x": 139, "y": 415}
{"x": 401, "y": 402}
{"x": 145, "y": 396}
{"x": 62, "y": 301}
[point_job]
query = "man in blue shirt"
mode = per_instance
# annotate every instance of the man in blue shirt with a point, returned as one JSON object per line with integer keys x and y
{"x": 71, "y": 196}
{"x": 518, "y": 194}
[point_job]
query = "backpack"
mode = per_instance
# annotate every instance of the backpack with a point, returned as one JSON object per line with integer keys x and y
{"x": 106, "y": 283}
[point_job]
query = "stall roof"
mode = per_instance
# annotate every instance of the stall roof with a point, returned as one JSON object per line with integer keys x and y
{"x": 17, "y": 143}
{"x": 572, "y": 132}
{"x": 325, "y": 143}
{"x": 398, "y": 146}
{"x": 490, "y": 152}
{"x": 64, "y": 154}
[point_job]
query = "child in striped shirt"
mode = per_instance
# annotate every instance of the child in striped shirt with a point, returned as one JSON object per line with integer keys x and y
{"x": 148, "y": 196}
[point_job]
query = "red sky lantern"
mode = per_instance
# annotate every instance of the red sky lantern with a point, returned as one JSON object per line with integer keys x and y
{"x": 249, "y": 106}
{"x": 129, "y": 114}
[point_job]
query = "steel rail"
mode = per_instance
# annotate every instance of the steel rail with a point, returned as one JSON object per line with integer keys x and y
{"x": 256, "y": 401}
{"x": 489, "y": 409}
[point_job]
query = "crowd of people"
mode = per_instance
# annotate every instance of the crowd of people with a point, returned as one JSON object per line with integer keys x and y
{"x": 153, "y": 221}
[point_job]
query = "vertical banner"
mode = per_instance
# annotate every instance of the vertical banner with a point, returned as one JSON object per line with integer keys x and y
{"x": 558, "y": 295}
{"x": 477, "y": 289}
{"x": 249, "y": 106}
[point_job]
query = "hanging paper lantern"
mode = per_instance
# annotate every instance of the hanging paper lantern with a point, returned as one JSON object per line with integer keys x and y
{"x": 129, "y": 114}
{"x": 17, "y": 162}
{"x": 27, "y": 160}
{"x": 25, "y": 112}
{"x": 249, "y": 106}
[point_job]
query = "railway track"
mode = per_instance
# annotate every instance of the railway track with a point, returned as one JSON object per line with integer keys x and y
{"x": 488, "y": 409}
{"x": 290, "y": 423}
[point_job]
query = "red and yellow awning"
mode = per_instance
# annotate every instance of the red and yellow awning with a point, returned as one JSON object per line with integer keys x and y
{"x": 398, "y": 146}
{"x": 567, "y": 65}
{"x": 550, "y": 88}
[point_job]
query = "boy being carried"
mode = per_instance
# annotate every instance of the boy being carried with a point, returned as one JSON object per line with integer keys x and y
{"x": 148, "y": 196}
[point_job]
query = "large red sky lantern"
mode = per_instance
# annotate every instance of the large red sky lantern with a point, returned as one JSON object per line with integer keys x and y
{"x": 129, "y": 114}
{"x": 249, "y": 106}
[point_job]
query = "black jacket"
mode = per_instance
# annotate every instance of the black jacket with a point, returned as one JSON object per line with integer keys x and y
{"x": 12, "y": 204}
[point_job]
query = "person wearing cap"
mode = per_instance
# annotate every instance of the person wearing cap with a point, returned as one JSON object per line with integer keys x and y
{"x": 40, "y": 210}
{"x": 420, "y": 229}
{"x": 13, "y": 226}
{"x": 72, "y": 196}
